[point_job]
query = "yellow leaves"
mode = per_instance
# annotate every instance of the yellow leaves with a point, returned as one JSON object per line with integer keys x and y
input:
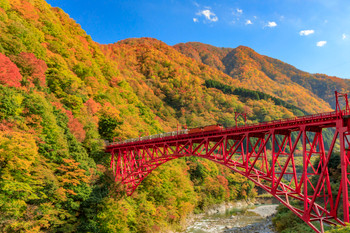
{"x": 186, "y": 208}
{"x": 70, "y": 191}
{"x": 61, "y": 194}
{"x": 70, "y": 175}
{"x": 50, "y": 214}
{"x": 15, "y": 207}
{"x": 115, "y": 216}
{"x": 109, "y": 110}
{"x": 17, "y": 150}
{"x": 5, "y": 5}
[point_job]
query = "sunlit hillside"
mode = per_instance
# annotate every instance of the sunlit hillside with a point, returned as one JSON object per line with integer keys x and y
{"x": 310, "y": 92}
{"x": 62, "y": 96}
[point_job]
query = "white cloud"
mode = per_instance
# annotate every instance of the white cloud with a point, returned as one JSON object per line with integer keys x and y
{"x": 271, "y": 24}
{"x": 306, "y": 32}
{"x": 208, "y": 15}
{"x": 196, "y": 4}
{"x": 195, "y": 20}
{"x": 239, "y": 11}
{"x": 344, "y": 36}
{"x": 321, "y": 43}
{"x": 247, "y": 22}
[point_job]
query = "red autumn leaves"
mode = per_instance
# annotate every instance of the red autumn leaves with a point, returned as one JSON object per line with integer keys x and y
{"x": 24, "y": 65}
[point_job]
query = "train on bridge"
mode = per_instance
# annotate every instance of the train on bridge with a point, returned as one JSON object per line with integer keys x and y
{"x": 202, "y": 129}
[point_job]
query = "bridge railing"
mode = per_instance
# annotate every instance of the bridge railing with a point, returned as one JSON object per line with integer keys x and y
{"x": 291, "y": 120}
{"x": 247, "y": 126}
{"x": 149, "y": 137}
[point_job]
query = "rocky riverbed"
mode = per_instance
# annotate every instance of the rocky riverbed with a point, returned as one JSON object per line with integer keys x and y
{"x": 264, "y": 226}
{"x": 237, "y": 217}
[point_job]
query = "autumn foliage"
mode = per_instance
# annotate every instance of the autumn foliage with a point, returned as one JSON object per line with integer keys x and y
{"x": 9, "y": 72}
{"x": 75, "y": 127}
{"x": 62, "y": 96}
{"x": 268, "y": 75}
{"x": 32, "y": 69}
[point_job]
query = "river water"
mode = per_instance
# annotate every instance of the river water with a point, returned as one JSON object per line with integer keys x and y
{"x": 246, "y": 219}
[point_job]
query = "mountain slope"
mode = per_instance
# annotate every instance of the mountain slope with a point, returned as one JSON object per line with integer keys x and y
{"x": 257, "y": 72}
{"x": 56, "y": 109}
{"x": 174, "y": 85}
{"x": 208, "y": 54}
{"x": 61, "y": 97}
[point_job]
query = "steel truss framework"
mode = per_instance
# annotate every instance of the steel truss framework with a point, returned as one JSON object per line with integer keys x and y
{"x": 306, "y": 190}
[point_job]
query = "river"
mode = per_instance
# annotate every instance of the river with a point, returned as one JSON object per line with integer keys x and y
{"x": 234, "y": 220}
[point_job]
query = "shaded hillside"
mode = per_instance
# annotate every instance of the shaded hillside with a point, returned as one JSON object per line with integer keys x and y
{"x": 254, "y": 71}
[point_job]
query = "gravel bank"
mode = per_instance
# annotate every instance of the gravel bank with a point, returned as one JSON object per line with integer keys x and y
{"x": 260, "y": 227}
{"x": 265, "y": 210}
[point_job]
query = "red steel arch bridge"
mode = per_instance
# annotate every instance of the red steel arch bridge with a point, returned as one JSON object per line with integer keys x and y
{"x": 287, "y": 158}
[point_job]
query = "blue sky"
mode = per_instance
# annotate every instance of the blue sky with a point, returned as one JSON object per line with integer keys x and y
{"x": 311, "y": 35}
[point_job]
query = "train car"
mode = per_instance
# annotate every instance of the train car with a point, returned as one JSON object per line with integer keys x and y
{"x": 212, "y": 128}
{"x": 195, "y": 130}
{"x": 205, "y": 129}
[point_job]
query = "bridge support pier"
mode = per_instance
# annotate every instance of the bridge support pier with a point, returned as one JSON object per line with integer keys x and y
{"x": 344, "y": 156}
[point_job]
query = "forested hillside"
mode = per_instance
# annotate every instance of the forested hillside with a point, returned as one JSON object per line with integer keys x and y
{"x": 173, "y": 86}
{"x": 274, "y": 77}
{"x": 62, "y": 95}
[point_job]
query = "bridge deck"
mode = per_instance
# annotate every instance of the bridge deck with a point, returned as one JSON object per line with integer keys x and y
{"x": 322, "y": 120}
